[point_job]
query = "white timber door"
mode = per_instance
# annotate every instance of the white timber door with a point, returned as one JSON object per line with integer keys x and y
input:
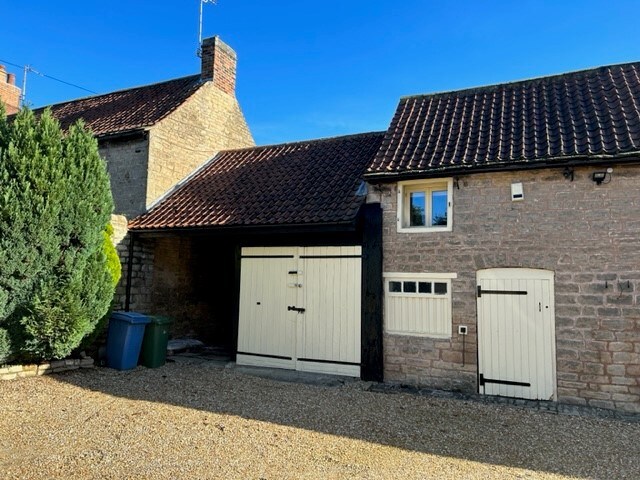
{"x": 300, "y": 308}
{"x": 265, "y": 330}
{"x": 516, "y": 333}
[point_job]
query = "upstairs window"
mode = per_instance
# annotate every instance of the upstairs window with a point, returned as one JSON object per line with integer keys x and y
{"x": 425, "y": 205}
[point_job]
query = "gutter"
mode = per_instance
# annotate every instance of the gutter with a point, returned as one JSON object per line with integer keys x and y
{"x": 553, "y": 162}
{"x": 331, "y": 227}
{"x": 134, "y": 134}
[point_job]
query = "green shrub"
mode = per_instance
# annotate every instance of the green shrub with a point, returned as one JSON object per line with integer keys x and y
{"x": 5, "y": 346}
{"x": 55, "y": 204}
{"x": 115, "y": 270}
{"x": 113, "y": 260}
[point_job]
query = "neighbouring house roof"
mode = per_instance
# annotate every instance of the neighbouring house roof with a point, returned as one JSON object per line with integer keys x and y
{"x": 586, "y": 115}
{"x": 305, "y": 183}
{"x": 126, "y": 110}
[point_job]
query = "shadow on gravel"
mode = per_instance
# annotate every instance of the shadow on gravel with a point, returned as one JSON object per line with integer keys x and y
{"x": 489, "y": 434}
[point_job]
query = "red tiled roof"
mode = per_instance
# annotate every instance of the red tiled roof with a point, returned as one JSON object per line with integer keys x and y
{"x": 586, "y": 114}
{"x": 304, "y": 183}
{"x": 126, "y": 110}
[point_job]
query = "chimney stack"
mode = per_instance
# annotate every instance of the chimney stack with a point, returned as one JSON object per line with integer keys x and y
{"x": 219, "y": 64}
{"x": 9, "y": 93}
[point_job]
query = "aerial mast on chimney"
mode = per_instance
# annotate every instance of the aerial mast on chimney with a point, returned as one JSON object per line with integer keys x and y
{"x": 202, "y": 2}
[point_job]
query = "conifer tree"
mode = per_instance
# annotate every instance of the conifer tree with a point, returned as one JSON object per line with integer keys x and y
{"x": 55, "y": 203}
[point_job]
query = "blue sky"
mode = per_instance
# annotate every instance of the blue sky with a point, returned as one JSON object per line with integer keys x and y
{"x": 314, "y": 69}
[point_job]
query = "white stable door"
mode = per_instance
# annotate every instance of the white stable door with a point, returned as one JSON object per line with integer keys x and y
{"x": 516, "y": 333}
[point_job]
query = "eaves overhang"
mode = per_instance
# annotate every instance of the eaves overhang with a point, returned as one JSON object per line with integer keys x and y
{"x": 552, "y": 162}
{"x": 303, "y": 228}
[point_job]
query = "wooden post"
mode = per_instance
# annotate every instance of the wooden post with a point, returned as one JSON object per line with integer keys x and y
{"x": 372, "y": 289}
{"x": 237, "y": 250}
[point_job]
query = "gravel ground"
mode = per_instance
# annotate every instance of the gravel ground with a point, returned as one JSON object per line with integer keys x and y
{"x": 194, "y": 420}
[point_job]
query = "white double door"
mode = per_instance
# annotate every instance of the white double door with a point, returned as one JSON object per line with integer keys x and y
{"x": 300, "y": 308}
{"x": 516, "y": 333}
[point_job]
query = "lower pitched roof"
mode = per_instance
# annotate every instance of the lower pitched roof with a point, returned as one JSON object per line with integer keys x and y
{"x": 315, "y": 182}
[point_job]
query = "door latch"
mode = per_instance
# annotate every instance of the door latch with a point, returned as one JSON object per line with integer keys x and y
{"x": 295, "y": 309}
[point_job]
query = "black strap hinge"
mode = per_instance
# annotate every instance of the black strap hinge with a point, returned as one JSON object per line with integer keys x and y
{"x": 499, "y": 292}
{"x": 483, "y": 380}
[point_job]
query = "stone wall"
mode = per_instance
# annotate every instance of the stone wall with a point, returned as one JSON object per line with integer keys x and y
{"x": 144, "y": 170}
{"x": 127, "y": 166}
{"x": 589, "y": 235}
{"x": 11, "y": 372}
{"x": 192, "y": 282}
{"x": 141, "y": 275}
{"x": 173, "y": 286}
{"x": 209, "y": 121}
{"x": 162, "y": 281}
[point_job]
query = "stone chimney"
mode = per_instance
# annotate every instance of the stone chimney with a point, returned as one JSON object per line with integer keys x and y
{"x": 219, "y": 64}
{"x": 9, "y": 93}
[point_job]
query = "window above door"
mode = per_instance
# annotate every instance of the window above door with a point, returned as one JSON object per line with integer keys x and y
{"x": 425, "y": 205}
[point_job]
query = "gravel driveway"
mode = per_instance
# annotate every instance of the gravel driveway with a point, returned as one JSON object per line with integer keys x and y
{"x": 193, "y": 419}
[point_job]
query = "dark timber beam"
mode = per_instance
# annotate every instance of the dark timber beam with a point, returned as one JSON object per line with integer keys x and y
{"x": 371, "y": 327}
{"x": 237, "y": 253}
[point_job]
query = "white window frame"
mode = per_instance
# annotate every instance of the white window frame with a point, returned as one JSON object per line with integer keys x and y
{"x": 428, "y": 332}
{"x": 427, "y": 186}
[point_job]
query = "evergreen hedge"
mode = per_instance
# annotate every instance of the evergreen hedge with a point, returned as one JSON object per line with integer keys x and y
{"x": 55, "y": 205}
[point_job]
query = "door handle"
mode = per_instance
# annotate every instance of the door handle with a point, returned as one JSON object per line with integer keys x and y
{"x": 295, "y": 309}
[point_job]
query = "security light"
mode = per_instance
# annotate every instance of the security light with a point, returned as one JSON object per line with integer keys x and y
{"x": 599, "y": 177}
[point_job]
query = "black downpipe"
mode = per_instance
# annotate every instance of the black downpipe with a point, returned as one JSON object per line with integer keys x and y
{"x": 127, "y": 298}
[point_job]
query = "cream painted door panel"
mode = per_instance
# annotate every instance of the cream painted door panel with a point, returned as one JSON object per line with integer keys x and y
{"x": 300, "y": 308}
{"x": 329, "y": 330}
{"x": 266, "y": 328}
{"x": 516, "y": 333}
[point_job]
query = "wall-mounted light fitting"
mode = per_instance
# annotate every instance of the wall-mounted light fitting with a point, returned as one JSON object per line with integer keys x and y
{"x": 601, "y": 177}
{"x": 568, "y": 173}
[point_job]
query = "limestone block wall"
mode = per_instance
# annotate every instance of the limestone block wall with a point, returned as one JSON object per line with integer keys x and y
{"x": 12, "y": 372}
{"x": 589, "y": 235}
{"x": 145, "y": 169}
{"x": 127, "y": 166}
{"x": 120, "y": 240}
{"x": 141, "y": 275}
{"x": 209, "y": 121}
{"x": 192, "y": 282}
{"x": 162, "y": 281}
{"x": 173, "y": 290}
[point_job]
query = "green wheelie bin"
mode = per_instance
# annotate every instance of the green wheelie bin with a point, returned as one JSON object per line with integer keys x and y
{"x": 154, "y": 343}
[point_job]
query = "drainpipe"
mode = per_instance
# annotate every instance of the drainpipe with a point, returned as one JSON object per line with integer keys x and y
{"x": 127, "y": 298}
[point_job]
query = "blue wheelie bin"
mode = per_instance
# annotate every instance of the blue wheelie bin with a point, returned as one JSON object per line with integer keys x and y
{"x": 126, "y": 331}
